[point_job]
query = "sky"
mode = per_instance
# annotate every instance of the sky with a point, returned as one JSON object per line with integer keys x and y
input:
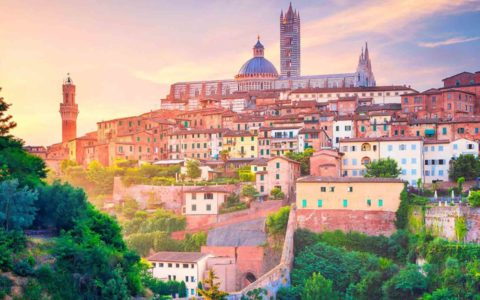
{"x": 123, "y": 55}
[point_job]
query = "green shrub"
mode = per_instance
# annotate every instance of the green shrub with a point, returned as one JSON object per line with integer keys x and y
{"x": 5, "y": 286}
{"x": 23, "y": 268}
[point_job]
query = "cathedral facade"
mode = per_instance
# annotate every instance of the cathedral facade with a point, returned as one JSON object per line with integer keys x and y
{"x": 259, "y": 74}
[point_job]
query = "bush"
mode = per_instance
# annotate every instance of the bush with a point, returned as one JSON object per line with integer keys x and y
{"x": 23, "y": 268}
{"x": 277, "y": 222}
{"x": 5, "y": 286}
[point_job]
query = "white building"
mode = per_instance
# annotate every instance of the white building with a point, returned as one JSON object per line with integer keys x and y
{"x": 180, "y": 266}
{"x": 438, "y": 155}
{"x": 406, "y": 151}
{"x": 342, "y": 128}
{"x": 205, "y": 200}
{"x": 378, "y": 94}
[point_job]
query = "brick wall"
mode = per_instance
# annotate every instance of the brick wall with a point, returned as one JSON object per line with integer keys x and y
{"x": 368, "y": 222}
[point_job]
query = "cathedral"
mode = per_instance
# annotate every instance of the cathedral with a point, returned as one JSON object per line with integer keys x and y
{"x": 259, "y": 74}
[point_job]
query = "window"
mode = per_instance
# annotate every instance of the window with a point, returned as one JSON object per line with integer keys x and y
{"x": 444, "y": 130}
{"x": 262, "y": 177}
{"x": 440, "y": 148}
{"x": 345, "y": 162}
{"x": 461, "y": 130}
{"x": 455, "y": 146}
{"x": 277, "y": 176}
{"x": 332, "y": 189}
{"x": 440, "y": 172}
{"x": 350, "y": 189}
{"x": 319, "y": 203}
{"x": 345, "y": 202}
{"x": 194, "y": 207}
{"x": 194, "y": 196}
{"x": 390, "y": 148}
{"x": 208, "y": 196}
{"x": 414, "y": 171}
{"x": 354, "y": 161}
{"x": 262, "y": 189}
{"x": 404, "y": 161}
{"x": 169, "y": 265}
{"x": 414, "y": 160}
{"x": 278, "y": 165}
{"x": 402, "y": 147}
{"x": 323, "y": 189}
{"x": 414, "y": 147}
{"x": 369, "y": 202}
{"x": 404, "y": 172}
{"x": 304, "y": 203}
{"x": 209, "y": 207}
{"x": 380, "y": 202}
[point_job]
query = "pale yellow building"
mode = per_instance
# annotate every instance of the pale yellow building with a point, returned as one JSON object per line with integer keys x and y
{"x": 240, "y": 144}
{"x": 205, "y": 200}
{"x": 347, "y": 193}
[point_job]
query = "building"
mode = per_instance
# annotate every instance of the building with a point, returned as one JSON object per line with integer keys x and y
{"x": 240, "y": 144}
{"x": 259, "y": 74}
{"x": 290, "y": 43}
{"x": 188, "y": 267}
{"x": 205, "y": 200}
{"x": 326, "y": 162}
{"x": 281, "y": 173}
{"x": 366, "y": 205}
{"x": 68, "y": 111}
{"x": 406, "y": 151}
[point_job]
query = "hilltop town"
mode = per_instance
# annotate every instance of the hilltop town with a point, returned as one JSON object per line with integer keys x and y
{"x": 240, "y": 176}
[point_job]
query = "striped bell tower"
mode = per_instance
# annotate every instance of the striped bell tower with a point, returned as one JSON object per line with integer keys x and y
{"x": 68, "y": 111}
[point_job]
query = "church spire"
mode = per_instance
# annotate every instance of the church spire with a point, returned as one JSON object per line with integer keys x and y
{"x": 366, "y": 51}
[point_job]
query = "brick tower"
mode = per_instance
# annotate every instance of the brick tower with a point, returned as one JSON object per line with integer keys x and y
{"x": 290, "y": 43}
{"x": 68, "y": 111}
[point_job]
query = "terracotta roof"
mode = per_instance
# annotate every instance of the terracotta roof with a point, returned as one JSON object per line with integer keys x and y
{"x": 237, "y": 133}
{"x": 348, "y": 179}
{"x": 177, "y": 256}
{"x": 352, "y": 89}
{"x": 382, "y": 139}
{"x": 284, "y": 158}
{"x": 209, "y": 189}
{"x": 260, "y": 161}
{"x": 197, "y": 131}
{"x": 436, "y": 142}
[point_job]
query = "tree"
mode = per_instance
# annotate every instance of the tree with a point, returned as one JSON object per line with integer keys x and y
{"x": 466, "y": 166}
{"x": 460, "y": 182}
{"x": 318, "y": 288}
{"x": 249, "y": 191}
{"x": 6, "y": 122}
{"x": 303, "y": 158}
{"x": 407, "y": 284}
{"x": 130, "y": 207}
{"x": 474, "y": 199}
{"x": 277, "y": 222}
{"x": 232, "y": 200}
{"x": 100, "y": 177}
{"x": 182, "y": 290}
{"x": 17, "y": 210}
{"x": 384, "y": 167}
{"x": 277, "y": 194}
{"x": 59, "y": 206}
{"x": 193, "y": 169}
{"x": 211, "y": 289}
{"x": 16, "y": 163}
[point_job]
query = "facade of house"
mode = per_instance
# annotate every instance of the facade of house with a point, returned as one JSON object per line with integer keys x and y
{"x": 188, "y": 267}
{"x": 369, "y": 204}
{"x": 281, "y": 173}
{"x": 205, "y": 200}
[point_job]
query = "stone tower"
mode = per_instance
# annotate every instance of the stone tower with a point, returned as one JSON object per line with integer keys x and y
{"x": 364, "y": 74}
{"x": 290, "y": 43}
{"x": 68, "y": 111}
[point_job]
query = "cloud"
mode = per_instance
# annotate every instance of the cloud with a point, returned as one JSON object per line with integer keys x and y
{"x": 381, "y": 17}
{"x": 451, "y": 41}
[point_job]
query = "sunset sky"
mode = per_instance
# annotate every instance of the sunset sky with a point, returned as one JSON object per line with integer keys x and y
{"x": 122, "y": 55}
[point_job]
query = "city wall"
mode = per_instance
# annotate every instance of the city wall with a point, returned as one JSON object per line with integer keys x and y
{"x": 279, "y": 276}
{"x": 368, "y": 222}
{"x": 441, "y": 220}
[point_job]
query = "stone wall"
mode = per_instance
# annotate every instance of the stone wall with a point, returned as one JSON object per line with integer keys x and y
{"x": 440, "y": 221}
{"x": 279, "y": 276}
{"x": 368, "y": 222}
{"x": 171, "y": 197}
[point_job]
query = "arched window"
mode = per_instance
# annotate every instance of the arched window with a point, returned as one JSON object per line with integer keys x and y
{"x": 366, "y": 147}
{"x": 365, "y": 160}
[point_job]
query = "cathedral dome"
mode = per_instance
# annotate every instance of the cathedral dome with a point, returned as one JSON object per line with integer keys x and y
{"x": 258, "y": 66}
